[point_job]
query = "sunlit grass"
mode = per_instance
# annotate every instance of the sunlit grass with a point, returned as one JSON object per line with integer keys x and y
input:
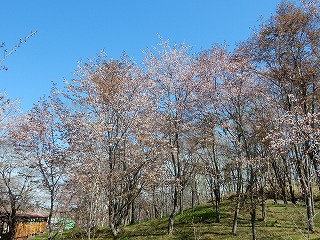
{"x": 282, "y": 222}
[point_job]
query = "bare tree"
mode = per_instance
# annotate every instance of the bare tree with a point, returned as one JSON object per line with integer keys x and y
{"x": 8, "y": 52}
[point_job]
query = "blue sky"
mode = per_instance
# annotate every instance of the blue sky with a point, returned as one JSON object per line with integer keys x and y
{"x": 74, "y": 30}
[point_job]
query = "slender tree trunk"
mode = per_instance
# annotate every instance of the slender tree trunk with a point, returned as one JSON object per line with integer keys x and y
{"x": 316, "y": 164}
{"x": 181, "y": 201}
{"x": 216, "y": 189}
{"x": 133, "y": 219}
{"x": 156, "y": 211}
{"x": 289, "y": 177}
{"x": 312, "y": 200}
{"x": 139, "y": 214}
{"x": 253, "y": 215}
{"x": 274, "y": 190}
{"x": 237, "y": 208}
{"x": 195, "y": 195}
{"x": 263, "y": 205}
{"x": 177, "y": 172}
{"x": 309, "y": 208}
{"x": 253, "y": 205}
{"x": 217, "y": 202}
{"x": 275, "y": 197}
{"x": 174, "y": 210}
{"x": 235, "y": 217}
{"x": 280, "y": 177}
{"x": 310, "y": 221}
{"x": 292, "y": 196}
{"x": 253, "y": 222}
{"x": 284, "y": 192}
{"x": 50, "y": 215}
{"x": 192, "y": 199}
{"x": 304, "y": 175}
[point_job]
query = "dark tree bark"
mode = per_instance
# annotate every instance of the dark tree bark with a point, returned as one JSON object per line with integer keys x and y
{"x": 238, "y": 199}
{"x": 174, "y": 210}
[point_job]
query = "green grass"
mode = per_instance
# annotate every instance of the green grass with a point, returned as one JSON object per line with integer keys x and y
{"x": 282, "y": 222}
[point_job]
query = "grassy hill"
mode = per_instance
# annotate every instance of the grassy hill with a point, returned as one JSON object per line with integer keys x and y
{"x": 282, "y": 222}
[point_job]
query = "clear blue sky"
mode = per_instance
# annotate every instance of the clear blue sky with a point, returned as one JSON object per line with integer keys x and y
{"x": 74, "y": 30}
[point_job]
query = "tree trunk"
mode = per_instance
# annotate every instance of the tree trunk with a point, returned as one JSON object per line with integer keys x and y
{"x": 217, "y": 202}
{"x": 263, "y": 206}
{"x": 284, "y": 192}
{"x": 304, "y": 175}
{"x": 235, "y": 217}
{"x": 133, "y": 219}
{"x": 173, "y": 213}
{"x": 281, "y": 180}
{"x": 253, "y": 221}
{"x": 181, "y": 201}
{"x": 12, "y": 225}
{"x": 310, "y": 222}
{"x": 253, "y": 214}
{"x": 275, "y": 197}
{"x": 115, "y": 231}
{"x": 289, "y": 177}
{"x": 253, "y": 205}
{"x": 312, "y": 201}
{"x": 216, "y": 189}
{"x": 50, "y": 215}
{"x": 192, "y": 199}
{"x": 170, "y": 224}
{"x": 237, "y": 209}
{"x": 292, "y": 196}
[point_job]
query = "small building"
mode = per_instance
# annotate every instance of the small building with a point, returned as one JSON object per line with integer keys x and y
{"x": 28, "y": 224}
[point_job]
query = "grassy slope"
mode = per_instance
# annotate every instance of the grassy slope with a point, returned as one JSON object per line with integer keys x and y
{"x": 283, "y": 222}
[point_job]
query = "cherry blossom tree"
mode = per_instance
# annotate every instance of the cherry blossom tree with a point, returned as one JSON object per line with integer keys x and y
{"x": 40, "y": 140}
{"x": 170, "y": 70}
{"x": 233, "y": 100}
{"x": 286, "y": 49}
{"x": 15, "y": 177}
{"x": 107, "y": 131}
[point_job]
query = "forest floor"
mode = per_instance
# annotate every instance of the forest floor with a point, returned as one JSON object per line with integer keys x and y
{"x": 282, "y": 222}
